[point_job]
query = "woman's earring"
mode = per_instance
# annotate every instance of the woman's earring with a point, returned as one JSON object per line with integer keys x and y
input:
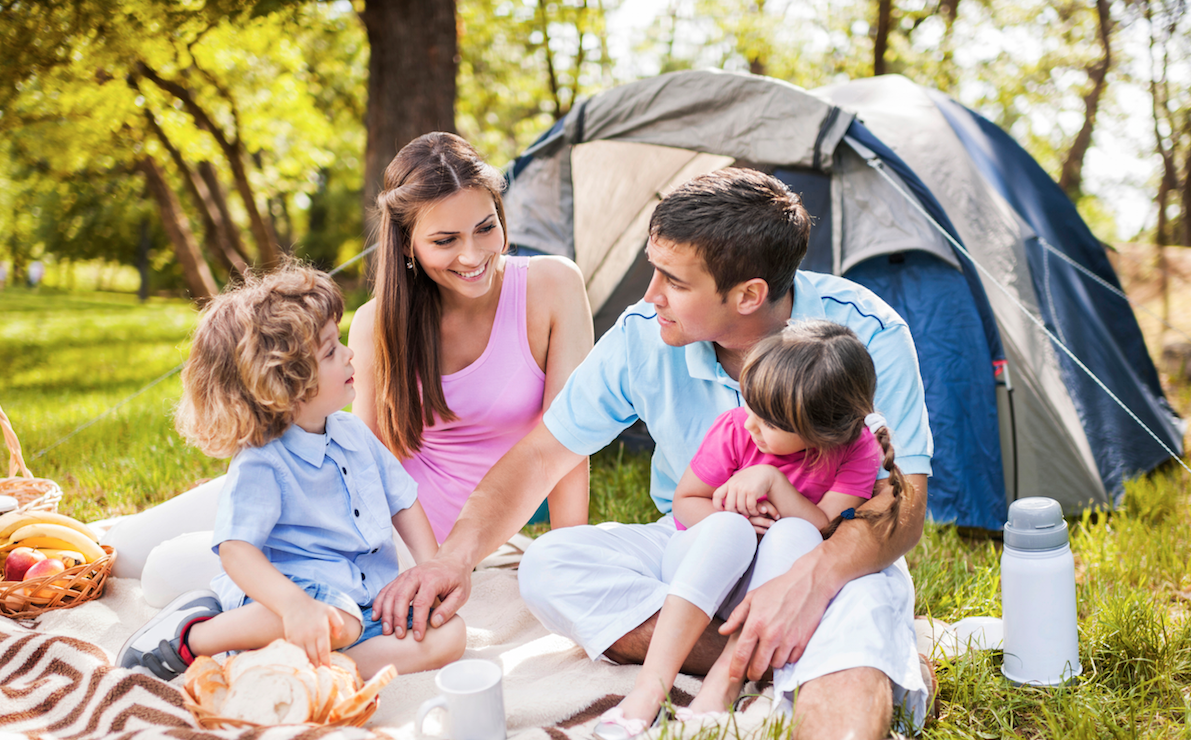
{"x": 409, "y": 263}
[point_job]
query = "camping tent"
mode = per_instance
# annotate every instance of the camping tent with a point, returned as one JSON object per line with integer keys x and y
{"x": 926, "y": 203}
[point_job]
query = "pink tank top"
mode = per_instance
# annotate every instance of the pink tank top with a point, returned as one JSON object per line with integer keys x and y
{"x": 498, "y": 399}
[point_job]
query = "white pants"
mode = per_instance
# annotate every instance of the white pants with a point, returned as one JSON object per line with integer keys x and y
{"x": 595, "y": 584}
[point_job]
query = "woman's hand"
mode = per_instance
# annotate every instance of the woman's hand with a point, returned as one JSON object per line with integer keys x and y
{"x": 747, "y": 491}
{"x": 312, "y": 625}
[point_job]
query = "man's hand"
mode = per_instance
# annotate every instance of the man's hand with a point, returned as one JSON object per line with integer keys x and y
{"x": 778, "y": 619}
{"x": 420, "y": 586}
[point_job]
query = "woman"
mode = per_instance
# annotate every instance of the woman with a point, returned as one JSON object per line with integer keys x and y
{"x": 451, "y": 367}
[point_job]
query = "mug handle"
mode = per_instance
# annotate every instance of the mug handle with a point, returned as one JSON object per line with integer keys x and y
{"x": 428, "y": 706}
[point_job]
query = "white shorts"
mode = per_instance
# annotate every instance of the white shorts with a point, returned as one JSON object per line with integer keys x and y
{"x": 595, "y": 584}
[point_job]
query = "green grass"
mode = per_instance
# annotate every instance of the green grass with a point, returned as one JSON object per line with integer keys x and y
{"x": 65, "y": 358}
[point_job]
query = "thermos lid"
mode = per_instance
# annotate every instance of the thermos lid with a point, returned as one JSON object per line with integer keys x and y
{"x": 1035, "y": 524}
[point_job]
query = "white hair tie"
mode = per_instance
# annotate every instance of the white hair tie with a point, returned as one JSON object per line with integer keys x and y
{"x": 875, "y": 421}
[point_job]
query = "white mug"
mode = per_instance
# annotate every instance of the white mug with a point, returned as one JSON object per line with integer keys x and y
{"x": 472, "y": 698}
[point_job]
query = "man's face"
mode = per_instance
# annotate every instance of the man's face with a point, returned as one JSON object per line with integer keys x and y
{"x": 683, "y": 292}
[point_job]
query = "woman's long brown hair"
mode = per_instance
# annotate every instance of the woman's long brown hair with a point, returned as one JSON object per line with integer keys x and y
{"x": 817, "y": 380}
{"x": 408, "y": 306}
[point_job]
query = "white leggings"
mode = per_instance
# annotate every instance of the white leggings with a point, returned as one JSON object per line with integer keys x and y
{"x": 716, "y": 562}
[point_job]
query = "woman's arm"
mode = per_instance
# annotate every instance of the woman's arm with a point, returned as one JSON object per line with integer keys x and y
{"x": 415, "y": 531}
{"x": 360, "y": 339}
{"x": 309, "y": 624}
{"x": 558, "y": 283}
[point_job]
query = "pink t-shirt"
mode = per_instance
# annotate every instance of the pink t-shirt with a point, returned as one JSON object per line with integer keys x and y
{"x": 497, "y": 399}
{"x": 728, "y": 448}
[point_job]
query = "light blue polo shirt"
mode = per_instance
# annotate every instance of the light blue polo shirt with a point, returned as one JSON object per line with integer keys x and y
{"x": 679, "y": 391}
{"x": 319, "y": 506}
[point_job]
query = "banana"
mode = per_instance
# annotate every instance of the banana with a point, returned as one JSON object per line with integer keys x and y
{"x": 69, "y": 558}
{"x": 57, "y": 536}
{"x": 13, "y": 521}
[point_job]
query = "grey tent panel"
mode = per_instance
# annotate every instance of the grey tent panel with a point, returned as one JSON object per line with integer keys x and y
{"x": 753, "y": 119}
{"x": 1053, "y": 454}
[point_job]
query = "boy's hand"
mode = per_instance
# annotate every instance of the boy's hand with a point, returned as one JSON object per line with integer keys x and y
{"x": 747, "y": 491}
{"x": 311, "y": 625}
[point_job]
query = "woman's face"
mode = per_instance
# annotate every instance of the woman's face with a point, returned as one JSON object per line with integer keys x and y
{"x": 457, "y": 242}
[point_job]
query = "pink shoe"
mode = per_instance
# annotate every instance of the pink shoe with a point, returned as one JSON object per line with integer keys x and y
{"x": 613, "y": 725}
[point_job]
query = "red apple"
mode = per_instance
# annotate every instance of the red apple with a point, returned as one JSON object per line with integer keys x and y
{"x": 19, "y": 561}
{"x": 42, "y": 569}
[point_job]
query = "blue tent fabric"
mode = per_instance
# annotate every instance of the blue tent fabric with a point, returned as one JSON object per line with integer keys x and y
{"x": 1075, "y": 308}
{"x": 968, "y": 485}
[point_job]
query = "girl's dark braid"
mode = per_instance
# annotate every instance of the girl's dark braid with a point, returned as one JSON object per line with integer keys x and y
{"x": 890, "y": 517}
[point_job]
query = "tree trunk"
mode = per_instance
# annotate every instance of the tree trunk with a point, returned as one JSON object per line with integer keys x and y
{"x": 215, "y": 231}
{"x": 142, "y": 260}
{"x": 881, "y": 40}
{"x": 1185, "y": 187}
{"x": 231, "y": 230}
{"x": 233, "y": 151}
{"x": 199, "y": 279}
{"x": 1071, "y": 177}
{"x": 411, "y": 80}
{"x": 950, "y": 11}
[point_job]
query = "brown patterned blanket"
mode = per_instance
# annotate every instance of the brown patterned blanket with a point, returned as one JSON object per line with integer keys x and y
{"x": 56, "y": 677}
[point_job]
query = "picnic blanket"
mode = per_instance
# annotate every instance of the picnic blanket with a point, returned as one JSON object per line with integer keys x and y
{"x": 57, "y": 678}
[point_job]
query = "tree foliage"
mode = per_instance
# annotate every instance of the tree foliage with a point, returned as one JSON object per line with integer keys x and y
{"x": 254, "y": 111}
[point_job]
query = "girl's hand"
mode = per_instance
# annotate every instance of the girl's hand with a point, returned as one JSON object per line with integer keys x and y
{"x": 747, "y": 491}
{"x": 311, "y": 625}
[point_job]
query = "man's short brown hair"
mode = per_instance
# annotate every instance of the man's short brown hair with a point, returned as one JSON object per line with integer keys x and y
{"x": 743, "y": 223}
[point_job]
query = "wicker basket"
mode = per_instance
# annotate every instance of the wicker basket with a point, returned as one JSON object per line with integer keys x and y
{"x": 32, "y": 494}
{"x": 71, "y": 587}
{"x": 210, "y": 721}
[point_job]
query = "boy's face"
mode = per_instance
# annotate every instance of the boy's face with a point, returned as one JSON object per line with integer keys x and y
{"x": 336, "y": 387}
{"x": 684, "y": 295}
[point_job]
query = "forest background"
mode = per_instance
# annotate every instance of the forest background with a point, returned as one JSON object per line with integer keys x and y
{"x": 170, "y": 144}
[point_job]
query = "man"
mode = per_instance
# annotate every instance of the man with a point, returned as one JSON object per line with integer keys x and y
{"x": 725, "y": 249}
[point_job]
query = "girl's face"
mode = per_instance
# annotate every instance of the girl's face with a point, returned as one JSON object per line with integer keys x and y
{"x": 336, "y": 382}
{"x": 458, "y": 240}
{"x": 770, "y": 439}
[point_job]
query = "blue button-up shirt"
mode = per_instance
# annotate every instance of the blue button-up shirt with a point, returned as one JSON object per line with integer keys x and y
{"x": 679, "y": 391}
{"x": 319, "y": 506}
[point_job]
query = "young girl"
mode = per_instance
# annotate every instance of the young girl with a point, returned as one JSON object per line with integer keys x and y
{"x": 797, "y": 459}
{"x": 303, "y": 526}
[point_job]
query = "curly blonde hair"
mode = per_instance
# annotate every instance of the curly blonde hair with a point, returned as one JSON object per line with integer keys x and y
{"x": 254, "y": 358}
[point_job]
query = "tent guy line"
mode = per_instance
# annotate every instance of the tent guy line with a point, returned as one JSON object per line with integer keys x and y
{"x": 169, "y": 373}
{"x": 875, "y": 162}
{"x": 1110, "y": 287}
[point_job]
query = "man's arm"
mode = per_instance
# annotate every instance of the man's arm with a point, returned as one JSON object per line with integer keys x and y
{"x": 501, "y": 504}
{"x": 780, "y": 616}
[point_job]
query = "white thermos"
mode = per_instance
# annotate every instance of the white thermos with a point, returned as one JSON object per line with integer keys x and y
{"x": 1038, "y": 596}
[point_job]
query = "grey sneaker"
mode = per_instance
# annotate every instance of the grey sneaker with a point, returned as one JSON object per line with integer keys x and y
{"x": 158, "y": 644}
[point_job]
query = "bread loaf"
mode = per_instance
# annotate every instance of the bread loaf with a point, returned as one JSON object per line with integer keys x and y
{"x": 277, "y": 685}
{"x": 268, "y": 695}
